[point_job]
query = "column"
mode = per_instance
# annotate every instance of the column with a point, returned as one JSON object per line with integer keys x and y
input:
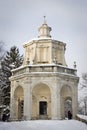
{"x": 12, "y": 104}
{"x": 11, "y": 108}
{"x": 27, "y": 102}
{"x": 74, "y": 102}
{"x": 55, "y": 104}
{"x": 59, "y": 107}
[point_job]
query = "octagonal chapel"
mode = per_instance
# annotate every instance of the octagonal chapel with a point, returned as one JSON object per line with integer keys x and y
{"x": 44, "y": 87}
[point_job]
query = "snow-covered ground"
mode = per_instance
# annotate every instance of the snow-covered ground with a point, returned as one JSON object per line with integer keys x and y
{"x": 82, "y": 116}
{"x": 44, "y": 125}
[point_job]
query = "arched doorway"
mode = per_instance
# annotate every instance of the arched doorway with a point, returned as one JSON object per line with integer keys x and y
{"x": 41, "y": 102}
{"x": 67, "y": 106}
{"x": 19, "y": 102}
{"x": 66, "y": 101}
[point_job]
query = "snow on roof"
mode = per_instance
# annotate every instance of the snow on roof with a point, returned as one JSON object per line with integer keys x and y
{"x": 37, "y": 65}
{"x": 40, "y": 38}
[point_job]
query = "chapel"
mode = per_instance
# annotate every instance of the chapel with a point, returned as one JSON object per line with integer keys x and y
{"x": 44, "y": 87}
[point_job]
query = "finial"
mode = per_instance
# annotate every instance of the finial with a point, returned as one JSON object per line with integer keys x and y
{"x": 44, "y": 30}
{"x": 74, "y": 65}
{"x": 44, "y": 19}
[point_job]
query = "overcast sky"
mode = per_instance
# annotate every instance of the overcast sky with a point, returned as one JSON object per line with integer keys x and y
{"x": 20, "y": 19}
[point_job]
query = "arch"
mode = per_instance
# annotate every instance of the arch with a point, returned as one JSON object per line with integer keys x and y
{"x": 42, "y": 82}
{"x": 66, "y": 100}
{"x": 19, "y": 102}
{"x": 67, "y": 106}
{"x": 66, "y": 90}
{"x": 41, "y": 101}
{"x": 18, "y": 92}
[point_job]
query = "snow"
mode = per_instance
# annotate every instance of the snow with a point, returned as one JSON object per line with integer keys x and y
{"x": 38, "y": 38}
{"x": 44, "y": 125}
{"x": 38, "y": 65}
{"x": 82, "y": 116}
{"x": 42, "y": 38}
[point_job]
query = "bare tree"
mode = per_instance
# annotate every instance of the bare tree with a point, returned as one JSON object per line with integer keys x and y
{"x": 84, "y": 83}
{"x": 83, "y": 90}
{"x": 85, "y": 105}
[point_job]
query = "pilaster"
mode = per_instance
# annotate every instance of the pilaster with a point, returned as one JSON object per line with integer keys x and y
{"x": 27, "y": 102}
{"x": 55, "y": 101}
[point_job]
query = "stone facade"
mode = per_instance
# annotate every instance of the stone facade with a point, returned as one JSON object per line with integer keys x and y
{"x": 44, "y": 87}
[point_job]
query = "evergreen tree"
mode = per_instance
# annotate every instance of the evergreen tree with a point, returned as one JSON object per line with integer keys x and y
{"x": 12, "y": 58}
{"x": 2, "y": 53}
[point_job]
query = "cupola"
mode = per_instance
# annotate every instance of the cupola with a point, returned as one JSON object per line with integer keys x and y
{"x": 44, "y": 30}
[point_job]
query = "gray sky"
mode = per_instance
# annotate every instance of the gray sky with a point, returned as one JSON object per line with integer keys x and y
{"x": 20, "y": 19}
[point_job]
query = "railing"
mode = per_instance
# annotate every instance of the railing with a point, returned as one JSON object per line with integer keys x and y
{"x": 44, "y": 68}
